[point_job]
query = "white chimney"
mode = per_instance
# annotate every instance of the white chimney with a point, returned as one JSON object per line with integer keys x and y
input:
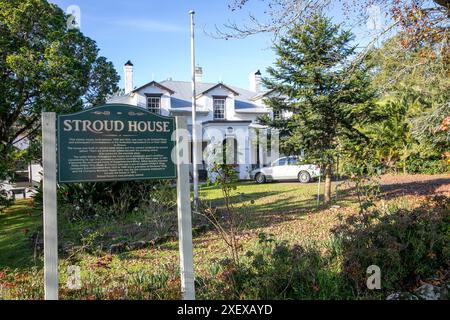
{"x": 255, "y": 81}
{"x": 128, "y": 71}
{"x": 198, "y": 74}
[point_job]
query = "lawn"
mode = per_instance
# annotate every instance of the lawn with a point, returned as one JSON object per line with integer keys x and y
{"x": 15, "y": 228}
{"x": 265, "y": 204}
{"x": 286, "y": 210}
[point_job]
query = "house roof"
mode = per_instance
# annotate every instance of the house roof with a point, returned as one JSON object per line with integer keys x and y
{"x": 181, "y": 95}
{"x": 220, "y": 85}
{"x": 156, "y": 84}
{"x": 262, "y": 95}
{"x": 187, "y": 110}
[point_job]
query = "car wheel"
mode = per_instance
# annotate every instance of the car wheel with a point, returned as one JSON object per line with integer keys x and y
{"x": 304, "y": 177}
{"x": 260, "y": 178}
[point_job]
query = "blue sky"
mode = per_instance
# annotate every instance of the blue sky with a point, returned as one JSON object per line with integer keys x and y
{"x": 154, "y": 35}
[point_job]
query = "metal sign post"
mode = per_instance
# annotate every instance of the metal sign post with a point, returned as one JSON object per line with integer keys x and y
{"x": 184, "y": 214}
{"x": 50, "y": 206}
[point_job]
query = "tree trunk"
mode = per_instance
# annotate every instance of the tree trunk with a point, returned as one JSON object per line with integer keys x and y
{"x": 328, "y": 176}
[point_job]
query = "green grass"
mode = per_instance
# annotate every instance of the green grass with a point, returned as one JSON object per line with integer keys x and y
{"x": 267, "y": 195}
{"x": 16, "y": 225}
{"x": 286, "y": 210}
{"x": 265, "y": 204}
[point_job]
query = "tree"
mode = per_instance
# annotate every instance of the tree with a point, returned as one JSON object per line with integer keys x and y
{"x": 45, "y": 65}
{"x": 414, "y": 88}
{"x": 423, "y": 69}
{"x": 417, "y": 16}
{"x": 391, "y": 135}
{"x": 420, "y": 21}
{"x": 312, "y": 80}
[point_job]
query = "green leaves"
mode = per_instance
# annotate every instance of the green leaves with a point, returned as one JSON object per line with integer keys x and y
{"x": 45, "y": 66}
{"x": 317, "y": 83}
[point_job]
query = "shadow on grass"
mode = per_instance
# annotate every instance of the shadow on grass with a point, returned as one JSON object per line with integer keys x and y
{"x": 263, "y": 209}
{"x": 391, "y": 190}
{"x": 16, "y": 225}
{"x": 417, "y": 188}
{"x": 282, "y": 202}
{"x": 273, "y": 208}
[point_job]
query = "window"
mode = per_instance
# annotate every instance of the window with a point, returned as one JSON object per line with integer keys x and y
{"x": 277, "y": 115}
{"x": 219, "y": 108}
{"x": 293, "y": 161}
{"x": 280, "y": 162}
{"x": 154, "y": 104}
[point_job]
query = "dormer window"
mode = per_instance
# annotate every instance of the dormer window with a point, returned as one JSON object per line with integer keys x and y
{"x": 154, "y": 103}
{"x": 277, "y": 115}
{"x": 219, "y": 108}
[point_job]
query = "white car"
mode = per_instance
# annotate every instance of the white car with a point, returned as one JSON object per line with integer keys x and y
{"x": 286, "y": 168}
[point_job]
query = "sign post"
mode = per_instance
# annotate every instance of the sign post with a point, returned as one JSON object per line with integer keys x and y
{"x": 114, "y": 143}
{"x": 184, "y": 214}
{"x": 50, "y": 205}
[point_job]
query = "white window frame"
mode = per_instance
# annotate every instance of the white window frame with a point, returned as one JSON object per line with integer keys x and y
{"x": 215, "y": 111}
{"x": 151, "y": 103}
{"x": 277, "y": 115}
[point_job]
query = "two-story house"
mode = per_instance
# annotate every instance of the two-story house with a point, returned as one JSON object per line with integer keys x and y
{"x": 223, "y": 110}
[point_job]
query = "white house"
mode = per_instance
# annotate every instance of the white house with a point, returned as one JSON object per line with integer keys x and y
{"x": 221, "y": 108}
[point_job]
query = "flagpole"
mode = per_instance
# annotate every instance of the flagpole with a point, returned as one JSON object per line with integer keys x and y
{"x": 194, "y": 116}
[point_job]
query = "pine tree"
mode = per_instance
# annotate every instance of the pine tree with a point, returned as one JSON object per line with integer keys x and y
{"x": 326, "y": 93}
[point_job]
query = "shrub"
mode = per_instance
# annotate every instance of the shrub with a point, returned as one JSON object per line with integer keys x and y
{"x": 108, "y": 198}
{"x": 407, "y": 245}
{"x": 276, "y": 270}
{"x": 427, "y": 166}
{"x": 227, "y": 223}
{"x": 153, "y": 220}
{"x": 88, "y": 200}
{"x": 5, "y": 201}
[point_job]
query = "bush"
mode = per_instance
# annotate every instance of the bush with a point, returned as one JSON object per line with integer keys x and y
{"x": 407, "y": 245}
{"x": 5, "y": 201}
{"x": 276, "y": 270}
{"x": 110, "y": 199}
{"x": 89, "y": 200}
{"x": 153, "y": 219}
{"x": 427, "y": 166}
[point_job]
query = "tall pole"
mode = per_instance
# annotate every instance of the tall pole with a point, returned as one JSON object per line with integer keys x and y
{"x": 50, "y": 205}
{"x": 318, "y": 191}
{"x": 194, "y": 116}
{"x": 184, "y": 216}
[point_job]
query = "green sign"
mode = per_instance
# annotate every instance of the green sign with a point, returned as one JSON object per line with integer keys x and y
{"x": 115, "y": 143}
